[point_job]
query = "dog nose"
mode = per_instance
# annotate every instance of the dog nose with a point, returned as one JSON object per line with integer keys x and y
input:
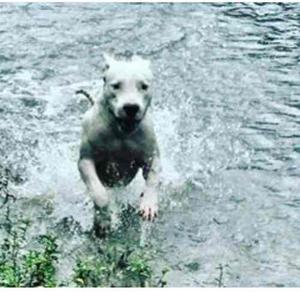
{"x": 131, "y": 110}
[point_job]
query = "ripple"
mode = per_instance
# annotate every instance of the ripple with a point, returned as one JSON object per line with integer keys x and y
{"x": 226, "y": 110}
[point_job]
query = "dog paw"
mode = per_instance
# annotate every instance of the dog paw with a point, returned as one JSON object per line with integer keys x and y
{"x": 102, "y": 221}
{"x": 148, "y": 207}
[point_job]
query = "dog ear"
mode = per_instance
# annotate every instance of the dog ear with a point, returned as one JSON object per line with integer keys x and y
{"x": 108, "y": 61}
{"x": 144, "y": 64}
{"x": 141, "y": 60}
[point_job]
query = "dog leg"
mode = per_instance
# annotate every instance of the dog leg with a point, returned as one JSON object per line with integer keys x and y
{"x": 89, "y": 175}
{"x": 149, "y": 199}
{"x": 102, "y": 218}
{"x": 102, "y": 221}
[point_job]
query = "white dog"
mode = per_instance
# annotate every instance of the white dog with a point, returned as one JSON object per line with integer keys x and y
{"x": 118, "y": 137}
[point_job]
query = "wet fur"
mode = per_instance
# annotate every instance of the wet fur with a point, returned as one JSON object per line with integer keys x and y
{"x": 111, "y": 155}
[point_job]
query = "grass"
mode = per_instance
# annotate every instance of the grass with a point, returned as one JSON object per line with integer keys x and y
{"x": 117, "y": 267}
{"x": 116, "y": 261}
{"x": 26, "y": 268}
{"x": 116, "y": 264}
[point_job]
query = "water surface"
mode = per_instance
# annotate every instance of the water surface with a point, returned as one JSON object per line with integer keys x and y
{"x": 226, "y": 109}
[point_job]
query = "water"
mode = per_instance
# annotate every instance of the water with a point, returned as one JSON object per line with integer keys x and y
{"x": 226, "y": 111}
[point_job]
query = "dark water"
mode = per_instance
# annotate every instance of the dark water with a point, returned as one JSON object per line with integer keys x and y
{"x": 226, "y": 111}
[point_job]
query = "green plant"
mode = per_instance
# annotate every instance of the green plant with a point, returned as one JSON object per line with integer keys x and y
{"x": 39, "y": 266}
{"x": 116, "y": 266}
{"x": 139, "y": 271}
{"x": 10, "y": 272}
{"x": 89, "y": 273}
{"x": 117, "y": 262}
{"x": 35, "y": 267}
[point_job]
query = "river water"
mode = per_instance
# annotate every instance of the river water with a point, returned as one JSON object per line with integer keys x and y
{"x": 226, "y": 109}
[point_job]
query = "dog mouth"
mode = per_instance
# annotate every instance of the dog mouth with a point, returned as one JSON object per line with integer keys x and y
{"x": 127, "y": 124}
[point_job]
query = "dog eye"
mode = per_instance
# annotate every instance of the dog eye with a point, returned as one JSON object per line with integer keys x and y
{"x": 144, "y": 86}
{"x": 116, "y": 86}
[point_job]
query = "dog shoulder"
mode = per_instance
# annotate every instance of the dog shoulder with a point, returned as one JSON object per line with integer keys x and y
{"x": 149, "y": 137}
{"x": 148, "y": 128}
{"x": 91, "y": 118}
{"x": 96, "y": 133}
{"x": 92, "y": 124}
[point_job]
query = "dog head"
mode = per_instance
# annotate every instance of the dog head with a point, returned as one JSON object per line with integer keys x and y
{"x": 127, "y": 89}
